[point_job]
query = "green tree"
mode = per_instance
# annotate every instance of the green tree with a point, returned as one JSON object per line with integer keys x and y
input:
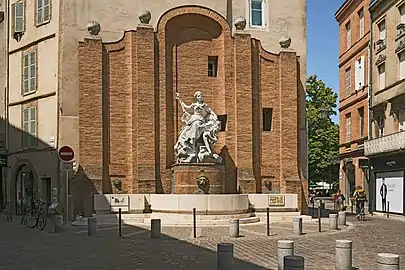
{"x": 323, "y": 133}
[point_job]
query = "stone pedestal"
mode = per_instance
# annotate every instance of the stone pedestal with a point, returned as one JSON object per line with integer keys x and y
{"x": 185, "y": 177}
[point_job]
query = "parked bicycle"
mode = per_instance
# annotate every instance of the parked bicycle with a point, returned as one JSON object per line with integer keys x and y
{"x": 36, "y": 216}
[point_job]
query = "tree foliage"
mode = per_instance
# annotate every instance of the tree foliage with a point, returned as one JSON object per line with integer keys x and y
{"x": 323, "y": 134}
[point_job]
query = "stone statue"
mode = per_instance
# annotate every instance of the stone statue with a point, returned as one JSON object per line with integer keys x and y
{"x": 198, "y": 134}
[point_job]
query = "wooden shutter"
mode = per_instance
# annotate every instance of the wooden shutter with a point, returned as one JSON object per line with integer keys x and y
{"x": 32, "y": 71}
{"x": 26, "y": 79}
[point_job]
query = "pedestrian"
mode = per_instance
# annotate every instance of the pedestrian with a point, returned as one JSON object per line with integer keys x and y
{"x": 340, "y": 200}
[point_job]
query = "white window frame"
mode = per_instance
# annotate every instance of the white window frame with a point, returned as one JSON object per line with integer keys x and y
{"x": 382, "y": 29}
{"x": 16, "y": 17}
{"x": 381, "y": 76}
{"x": 361, "y": 23}
{"x": 263, "y": 3}
{"x": 29, "y": 127}
{"x": 348, "y": 35}
{"x": 43, "y": 6}
{"x": 29, "y": 73}
{"x": 348, "y": 81}
{"x": 348, "y": 128}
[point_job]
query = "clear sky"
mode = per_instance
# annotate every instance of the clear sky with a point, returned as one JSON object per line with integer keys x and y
{"x": 323, "y": 42}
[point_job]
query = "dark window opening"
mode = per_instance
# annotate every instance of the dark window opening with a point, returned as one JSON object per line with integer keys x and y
{"x": 212, "y": 66}
{"x": 267, "y": 119}
{"x": 361, "y": 115}
{"x": 222, "y": 119}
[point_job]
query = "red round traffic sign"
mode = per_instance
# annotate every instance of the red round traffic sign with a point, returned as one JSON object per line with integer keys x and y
{"x": 66, "y": 153}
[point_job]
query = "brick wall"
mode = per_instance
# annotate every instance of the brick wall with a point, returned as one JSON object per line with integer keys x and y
{"x": 146, "y": 69}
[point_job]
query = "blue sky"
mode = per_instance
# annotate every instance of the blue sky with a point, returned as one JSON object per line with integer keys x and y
{"x": 323, "y": 42}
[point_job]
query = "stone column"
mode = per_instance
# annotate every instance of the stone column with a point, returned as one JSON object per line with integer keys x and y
{"x": 145, "y": 106}
{"x": 234, "y": 228}
{"x": 243, "y": 121}
{"x": 387, "y": 261}
{"x": 297, "y": 225}
{"x": 285, "y": 248}
{"x": 333, "y": 221}
{"x": 342, "y": 218}
{"x": 343, "y": 255}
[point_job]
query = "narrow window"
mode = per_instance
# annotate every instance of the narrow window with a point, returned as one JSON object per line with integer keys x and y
{"x": 212, "y": 66}
{"x": 402, "y": 13}
{"x": 361, "y": 116}
{"x": 43, "y": 11}
{"x": 223, "y": 119}
{"x": 348, "y": 36}
{"x": 348, "y": 81}
{"x": 381, "y": 126}
{"x": 267, "y": 119}
{"x": 256, "y": 13}
{"x": 18, "y": 18}
{"x": 361, "y": 19}
{"x": 29, "y": 73}
{"x": 381, "y": 76}
{"x": 381, "y": 29}
{"x": 401, "y": 57}
{"x": 401, "y": 120}
{"x": 348, "y": 127}
{"x": 30, "y": 127}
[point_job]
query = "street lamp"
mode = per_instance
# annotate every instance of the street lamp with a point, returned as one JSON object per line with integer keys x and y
{"x": 323, "y": 113}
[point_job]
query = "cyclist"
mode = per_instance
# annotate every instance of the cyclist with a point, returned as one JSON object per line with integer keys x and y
{"x": 360, "y": 197}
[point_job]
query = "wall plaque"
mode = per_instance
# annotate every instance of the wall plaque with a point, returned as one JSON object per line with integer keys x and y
{"x": 276, "y": 200}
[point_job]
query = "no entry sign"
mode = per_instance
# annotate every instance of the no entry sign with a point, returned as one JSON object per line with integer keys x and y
{"x": 66, "y": 153}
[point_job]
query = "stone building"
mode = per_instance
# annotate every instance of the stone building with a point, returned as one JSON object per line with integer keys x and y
{"x": 385, "y": 147}
{"x": 53, "y": 96}
{"x": 354, "y": 37}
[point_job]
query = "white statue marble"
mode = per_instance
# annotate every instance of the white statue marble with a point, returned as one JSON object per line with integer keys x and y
{"x": 198, "y": 134}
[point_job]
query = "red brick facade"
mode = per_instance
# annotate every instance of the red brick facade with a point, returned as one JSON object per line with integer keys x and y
{"x": 130, "y": 119}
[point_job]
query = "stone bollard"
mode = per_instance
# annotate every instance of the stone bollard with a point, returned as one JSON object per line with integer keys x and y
{"x": 155, "y": 228}
{"x": 293, "y": 263}
{"x": 297, "y": 225}
{"x": 224, "y": 256}
{"x": 342, "y": 218}
{"x": 285, "y": 248}
{"x": 387, "y": 261}
{"x": 343, "y": 255}
{"x": 91, "y": 226}
{"x": 333, "y": 221}
{"x": 57, "y": 223}
{"x": 234, "y": 228}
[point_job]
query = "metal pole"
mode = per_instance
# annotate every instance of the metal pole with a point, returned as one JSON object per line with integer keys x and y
{"x": 388, "y": 209}
{"x": 319, "y": 218}
{"x": 194, "y": 224}
{"x": 66, "y": 218}
{"x": 119, "y": 223}
{"x": 268, "y": 221}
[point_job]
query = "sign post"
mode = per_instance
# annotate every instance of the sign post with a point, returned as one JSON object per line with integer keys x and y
{"x": 66, "y": 155}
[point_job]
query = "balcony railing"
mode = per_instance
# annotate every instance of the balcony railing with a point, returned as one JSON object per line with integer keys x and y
{"x": 386, "y": 144}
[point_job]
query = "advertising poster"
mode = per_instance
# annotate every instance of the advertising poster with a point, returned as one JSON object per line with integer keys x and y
{"x": 390, "y": 188}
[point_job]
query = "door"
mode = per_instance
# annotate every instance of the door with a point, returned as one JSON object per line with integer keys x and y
{"x": 2, "y": 200}
{"x": 47, "y": 191}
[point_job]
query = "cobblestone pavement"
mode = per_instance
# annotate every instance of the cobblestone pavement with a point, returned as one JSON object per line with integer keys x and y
{"x": 24, "y": 248}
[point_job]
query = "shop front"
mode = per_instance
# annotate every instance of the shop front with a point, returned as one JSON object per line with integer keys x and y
{"x": 387, "y": 184}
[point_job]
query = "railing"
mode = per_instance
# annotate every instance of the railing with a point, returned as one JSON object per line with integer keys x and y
{"x": 385, "y": 144}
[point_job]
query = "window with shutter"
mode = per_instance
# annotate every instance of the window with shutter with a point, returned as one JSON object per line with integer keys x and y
{"x": 361, "y": 19}
{"x": 381, "y": 76}
{"x": 19, "y": 17}
{"x": 43, "y": 11}
{"x": 348, "y": 81}
{"x": 357, "y": 75}
{"x": 348, "y": 127}
{"x": 29, "y": 73}
{"x": 348, "y": 36}
{"x": 30, "y": 127}
{"x": 381, "y": 28}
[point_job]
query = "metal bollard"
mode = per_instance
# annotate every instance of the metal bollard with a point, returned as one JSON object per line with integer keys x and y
{"x": 234, "y": 228}
{"x": 155, "y": 228}
{"x": 284, "y": 248}
{"x": 119, "y": 223}
{"x": 343, "y": 255}
{"x": 297, "y": 225}
{"x": 387, "y": 261}
{"x": 57, "y": 223}
{"x": 388, "y": 209}
{"x": 342, "y": 218}
{"x": 319, "y": 219}
{"x": 194, "y": 223}
{"x": 224, "y": 256}
{"x": 91, "y": 226}
{"x": 333, "y": 221}
{"x": 293, "y": 263}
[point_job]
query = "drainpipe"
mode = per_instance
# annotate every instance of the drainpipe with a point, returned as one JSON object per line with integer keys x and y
{"x": 371, "y": 185}
{"x": 6, "y": 94}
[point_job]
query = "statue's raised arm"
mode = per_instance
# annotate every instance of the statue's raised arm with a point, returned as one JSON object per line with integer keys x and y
{"x": 183, "y": 105}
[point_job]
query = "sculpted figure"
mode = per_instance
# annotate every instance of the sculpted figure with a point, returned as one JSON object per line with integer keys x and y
{"x": 199, "y": 132}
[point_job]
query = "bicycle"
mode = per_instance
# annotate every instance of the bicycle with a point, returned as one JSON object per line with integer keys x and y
{"x": 36, "y": 217}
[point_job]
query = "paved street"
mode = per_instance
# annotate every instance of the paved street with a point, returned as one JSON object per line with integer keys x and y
{"x": 23, "y": 248}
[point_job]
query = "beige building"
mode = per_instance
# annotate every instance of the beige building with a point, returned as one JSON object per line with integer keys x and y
{"x": 41, "y": 98}
{"x": 386, "y": 144}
